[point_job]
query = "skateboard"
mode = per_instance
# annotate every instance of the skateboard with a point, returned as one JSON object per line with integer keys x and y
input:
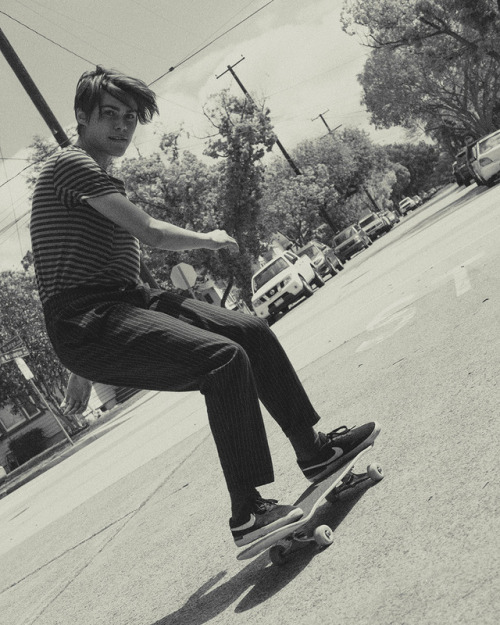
{"x": 282, "y": 541}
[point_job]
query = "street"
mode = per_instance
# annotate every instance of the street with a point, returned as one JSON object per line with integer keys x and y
{"x": 132, "y": 529}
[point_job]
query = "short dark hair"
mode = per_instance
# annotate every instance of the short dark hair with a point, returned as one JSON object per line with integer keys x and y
{"x": 92, "y": 83}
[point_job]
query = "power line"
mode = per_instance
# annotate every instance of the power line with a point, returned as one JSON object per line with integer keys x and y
{"x": 89, "y": 28}
{"x": 224, "y": 24}
{"x": 47, "y": 38}
{"x": 171, "y": 69}
{"x": 40, "y": 160}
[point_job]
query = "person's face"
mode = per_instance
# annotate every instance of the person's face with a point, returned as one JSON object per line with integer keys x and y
{"x": 109, "y": 130}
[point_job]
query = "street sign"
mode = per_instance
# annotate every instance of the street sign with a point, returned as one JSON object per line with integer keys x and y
{"x": 24, "y": 369}
{"x": 183, "y": 276}
{"x": 11, "y": 349}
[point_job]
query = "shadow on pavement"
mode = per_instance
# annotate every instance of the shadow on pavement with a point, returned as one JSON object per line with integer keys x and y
{"x": 261, "y": 578}
{"x": 445, "y": 211}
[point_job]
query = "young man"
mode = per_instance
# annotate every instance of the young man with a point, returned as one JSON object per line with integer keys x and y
{"x": 107, "y": 326}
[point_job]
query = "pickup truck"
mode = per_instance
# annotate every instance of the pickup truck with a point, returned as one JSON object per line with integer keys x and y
{"x": 281, "y": 282}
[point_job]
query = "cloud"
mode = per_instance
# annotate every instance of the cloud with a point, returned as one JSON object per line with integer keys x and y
{"x": 300, "y": 68}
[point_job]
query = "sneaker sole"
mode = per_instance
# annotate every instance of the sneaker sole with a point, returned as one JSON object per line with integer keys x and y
{"x": 291, "y": 517}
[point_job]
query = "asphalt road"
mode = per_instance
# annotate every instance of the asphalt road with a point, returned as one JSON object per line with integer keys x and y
{"x": 132, "y": 529}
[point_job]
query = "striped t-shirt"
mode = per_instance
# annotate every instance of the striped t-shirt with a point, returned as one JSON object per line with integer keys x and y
{"x": 73, "y": 244}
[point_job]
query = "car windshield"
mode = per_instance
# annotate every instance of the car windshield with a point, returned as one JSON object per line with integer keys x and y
{"x": 489, "y": 143}
{"x": 344, "y": 235}
{"x": 367, "y": 220}
{"x": 310, "y": 251}
{"x": 268, "y": 273}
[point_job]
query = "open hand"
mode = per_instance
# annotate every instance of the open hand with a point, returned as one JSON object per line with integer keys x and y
{"x": 77, "y": 395}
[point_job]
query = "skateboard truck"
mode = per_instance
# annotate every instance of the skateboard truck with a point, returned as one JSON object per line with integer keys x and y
{"x": 322, "y": 535}
{"x": 286, "y": 539}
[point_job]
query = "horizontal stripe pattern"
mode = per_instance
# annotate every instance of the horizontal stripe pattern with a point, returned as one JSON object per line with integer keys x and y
{"x": 73, "y": 244}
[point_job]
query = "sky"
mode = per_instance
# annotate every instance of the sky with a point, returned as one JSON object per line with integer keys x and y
{"x": 296, "y": 58}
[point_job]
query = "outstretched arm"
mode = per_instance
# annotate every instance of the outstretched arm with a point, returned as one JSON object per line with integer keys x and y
{"x": 157, "y": 233}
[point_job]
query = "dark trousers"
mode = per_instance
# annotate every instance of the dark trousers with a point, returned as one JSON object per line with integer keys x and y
{"x": 159, "y": 340}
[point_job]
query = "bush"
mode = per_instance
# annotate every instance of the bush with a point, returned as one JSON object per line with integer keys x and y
{"x": 28, "y": 445}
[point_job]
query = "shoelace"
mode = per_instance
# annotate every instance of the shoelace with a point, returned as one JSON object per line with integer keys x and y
{"x": 262, "y": 505}
{"x": 343, "y": 429}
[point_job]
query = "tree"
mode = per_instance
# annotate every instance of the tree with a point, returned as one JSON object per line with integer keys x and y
{"x": 471, "y": 26}
{"x": 416, "y": 164}
{"x": 298, "y": 206}
{"x": 244, "y": 135}
{"x": 21, "y": 314}
{"x": 177, "y": 187}
{"x": 449, "y": 100}
{"x": 435, "y": 63}
{"x": 332, "y": 191}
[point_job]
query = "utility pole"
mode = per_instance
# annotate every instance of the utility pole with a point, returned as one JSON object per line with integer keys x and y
{"x": 249, "y": 97}
{"x": 320, "y": 116}
{"x": 31, "y": 89}
{"x": 372, "y": 200}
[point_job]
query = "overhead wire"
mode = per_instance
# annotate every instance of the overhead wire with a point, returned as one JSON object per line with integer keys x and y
{"x": 108, "y": 35}
{"x": 154, "y": 81}
{"x": 178, "y": 64}
{"x": 190, "y": 56}
{"x": 44, "y": 37}
{"x": 224, "y": 24}
{"x": 12, "y": 204}
{"x": 181, "y": 62}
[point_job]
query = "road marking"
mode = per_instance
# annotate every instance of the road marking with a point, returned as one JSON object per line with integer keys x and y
{"x": 462, "y": 282}
{"x": 390, "y": 320}
{"x": 460, "y": 275}
{"x": 400, "y": 313}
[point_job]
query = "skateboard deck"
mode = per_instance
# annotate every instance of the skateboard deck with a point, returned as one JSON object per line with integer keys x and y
{"x": 282, "y": 540}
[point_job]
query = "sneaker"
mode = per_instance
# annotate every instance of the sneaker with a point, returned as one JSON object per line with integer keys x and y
{"x": 259, "y": 518}
{"x": 337, "y": 448}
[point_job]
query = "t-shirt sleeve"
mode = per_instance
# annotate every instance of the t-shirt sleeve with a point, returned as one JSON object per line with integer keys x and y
{"x": 77, "y": 177}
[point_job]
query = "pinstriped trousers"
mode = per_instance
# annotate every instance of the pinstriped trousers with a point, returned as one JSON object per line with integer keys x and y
{"x": 152, "y": 339}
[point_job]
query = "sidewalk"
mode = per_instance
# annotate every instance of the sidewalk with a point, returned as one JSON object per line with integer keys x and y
{"x": 62, "y": 450}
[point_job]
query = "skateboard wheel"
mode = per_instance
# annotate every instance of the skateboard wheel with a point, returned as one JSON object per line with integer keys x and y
{"x": 375, "y": 472}
{"x": 323, "y": 536}
{"x": 277, "y": 555}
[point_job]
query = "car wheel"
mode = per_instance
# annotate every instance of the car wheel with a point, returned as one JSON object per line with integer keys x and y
{"x": 318, "y": 280}
{"x": 306, "y": 288}
{"x": 333, "y": 271}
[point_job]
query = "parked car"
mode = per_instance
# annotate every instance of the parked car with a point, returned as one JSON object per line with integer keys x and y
{"x": 464, "y": 173}
{"x": 350, "y": 241}
{"x": 486, "y": 158}
{"x": 330, "y": 254}
{"x": 418, "y": 200}
{"x": 391, "y": 217}
{"x": 318, "y": 257}
{"x": 406, "y": 204}
{"x": 281, "y": 282}
{"x": 373, "y": 225}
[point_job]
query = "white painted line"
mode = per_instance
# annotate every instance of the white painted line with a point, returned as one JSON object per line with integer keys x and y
{"x": 389, "y": 321}
{"x": 462, "y": 282}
